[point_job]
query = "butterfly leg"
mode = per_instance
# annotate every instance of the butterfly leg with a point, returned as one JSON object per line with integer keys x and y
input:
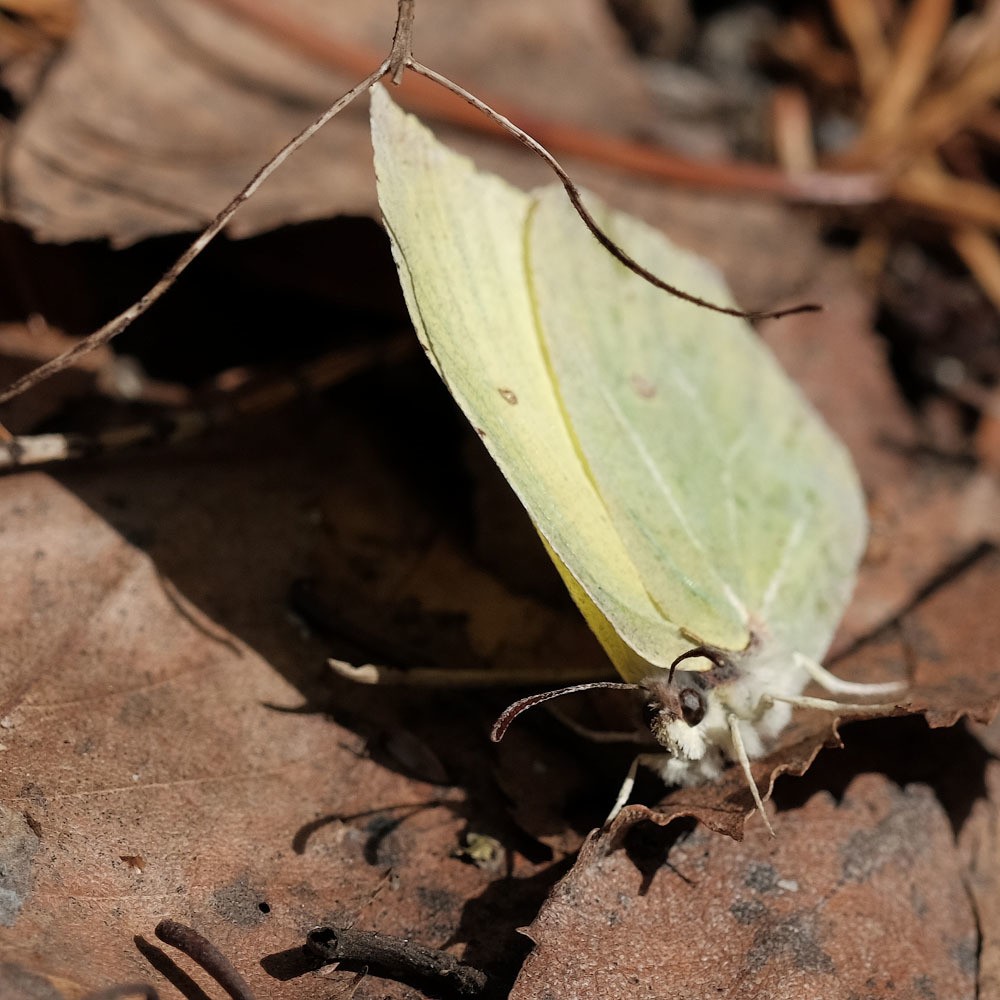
{"x": 744, "y": 761}
{"x": 444, "y": 677}
{"x": 625, "y": 792}
{"x": 828, "y": 705}
{"x": 835, "y": 685}
{"x": 598, "y": 735}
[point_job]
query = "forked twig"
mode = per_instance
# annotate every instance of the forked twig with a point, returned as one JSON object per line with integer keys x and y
{"x": 123, "y": 320}
{"x": 395, "y": 64}
{"x": 633, "y": 156}
{"x": 573, "y": 192}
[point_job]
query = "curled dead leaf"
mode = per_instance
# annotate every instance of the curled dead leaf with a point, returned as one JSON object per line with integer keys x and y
{"x": 858, "y": 897}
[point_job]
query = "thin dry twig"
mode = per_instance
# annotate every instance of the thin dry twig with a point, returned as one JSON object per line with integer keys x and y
{"x": 402, "y": 42}
{"x": 949, "y": 198}
{"x": 862, "y": 27}
{"x": 792, "y": 129}
{"x": 399, "y": 59}
{"x": 940, "y": 115}
{"x": 911, "y": 65}
{"x": 123, "y": 320}
{"x": 573, "y": 193}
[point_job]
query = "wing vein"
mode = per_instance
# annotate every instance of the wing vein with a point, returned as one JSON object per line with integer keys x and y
{"x": 729, "y": 489}
{"x": 792, "y": 539}
{"x": 668, "y": 494}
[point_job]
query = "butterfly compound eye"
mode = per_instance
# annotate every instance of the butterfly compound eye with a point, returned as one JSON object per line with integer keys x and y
{"x": 692, "y": 706}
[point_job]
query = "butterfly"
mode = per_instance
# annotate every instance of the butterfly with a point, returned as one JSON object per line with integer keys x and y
{"x": 706, "y": 521}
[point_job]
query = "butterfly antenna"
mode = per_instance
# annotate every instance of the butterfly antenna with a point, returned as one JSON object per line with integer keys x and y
{"x": 712, "y": 653}
{"x": 510, "y": 713}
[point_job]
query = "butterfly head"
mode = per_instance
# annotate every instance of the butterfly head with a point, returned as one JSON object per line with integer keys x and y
{"x": 684, "y": 711}
{"x": 683, "y": 716}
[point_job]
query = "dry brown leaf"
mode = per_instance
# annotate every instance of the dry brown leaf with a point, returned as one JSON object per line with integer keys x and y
{"x": 91, "y": 631}
{"x": 134, "y": 727}
{"x": 238, "y": 804}
{"x": 861, "y": 897}
{"x": 230, "y": 529}
{"x": 156, "y": 114}
{"x": 980, "y": 846}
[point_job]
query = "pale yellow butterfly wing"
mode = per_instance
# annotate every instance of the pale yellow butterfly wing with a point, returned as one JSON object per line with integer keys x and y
{"x": 733, "y": 498}
{"x": 458, "y": 238}
{"x": 678, "y": 477}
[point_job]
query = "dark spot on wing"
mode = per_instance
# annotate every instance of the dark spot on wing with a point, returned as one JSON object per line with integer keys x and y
{"x": 508, "y": 395}
{"x": 643, "y": 387}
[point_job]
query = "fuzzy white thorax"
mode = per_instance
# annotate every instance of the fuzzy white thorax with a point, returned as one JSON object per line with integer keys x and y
{"x": 698, "y": 753}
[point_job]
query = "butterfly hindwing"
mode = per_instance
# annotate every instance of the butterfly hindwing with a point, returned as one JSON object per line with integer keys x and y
{"x": 733, "y": 498}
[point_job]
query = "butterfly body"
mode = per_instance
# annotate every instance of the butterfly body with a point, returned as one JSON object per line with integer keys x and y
{"x": 690, "y": 714}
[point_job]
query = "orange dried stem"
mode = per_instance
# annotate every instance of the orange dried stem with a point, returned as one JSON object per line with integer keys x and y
{"x": 859, "y": 22}
{"x": 56, "y": 18}
{"x": 956, "y": 201}
{"x": 968, "y": 100}
{"x": 911, "y": 66}
{"x": 981, "y": 255}
{"x": 793, "y": 132}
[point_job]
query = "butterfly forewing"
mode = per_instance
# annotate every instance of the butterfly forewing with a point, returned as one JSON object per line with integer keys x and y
{"x": 458, "y": 238}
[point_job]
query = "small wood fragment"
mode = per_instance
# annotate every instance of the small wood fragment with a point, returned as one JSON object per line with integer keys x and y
{"x": 398, "y": 958}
